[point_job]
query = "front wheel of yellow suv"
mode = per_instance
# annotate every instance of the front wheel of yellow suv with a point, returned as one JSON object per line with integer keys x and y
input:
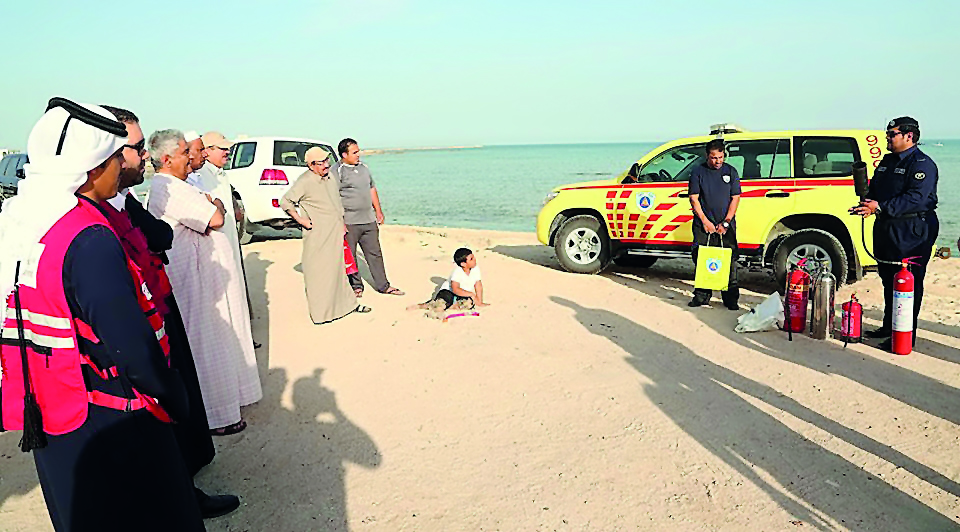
{"x": 582, "y": 245}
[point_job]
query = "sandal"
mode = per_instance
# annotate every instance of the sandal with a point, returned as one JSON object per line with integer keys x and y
{"x": 362, "y": 309}
{"x": 393, "y": 291}
{"x": 229, "y": 429}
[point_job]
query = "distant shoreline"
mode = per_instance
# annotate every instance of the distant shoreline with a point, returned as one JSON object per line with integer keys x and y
{"x": 378, "y": 151}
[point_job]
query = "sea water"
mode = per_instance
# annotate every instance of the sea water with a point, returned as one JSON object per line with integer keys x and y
{"x": 503, "y": 187}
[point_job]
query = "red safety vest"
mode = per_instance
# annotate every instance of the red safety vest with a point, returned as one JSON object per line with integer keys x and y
{"x": 135, "y": 244}
{"x": 51, "y": 335}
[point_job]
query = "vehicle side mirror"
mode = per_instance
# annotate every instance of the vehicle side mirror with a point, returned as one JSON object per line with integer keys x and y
{"x": 20, "y": 173}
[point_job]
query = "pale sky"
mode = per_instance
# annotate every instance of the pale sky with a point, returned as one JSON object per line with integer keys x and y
{"x": 435, "y": 73}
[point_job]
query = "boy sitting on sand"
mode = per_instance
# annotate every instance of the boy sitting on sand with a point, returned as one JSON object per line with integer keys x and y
{"x": 462, "y": 291}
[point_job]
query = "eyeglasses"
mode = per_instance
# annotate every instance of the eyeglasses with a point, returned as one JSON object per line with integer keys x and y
{"x": 891, "y": 134}
{"x": 138, "y": 147}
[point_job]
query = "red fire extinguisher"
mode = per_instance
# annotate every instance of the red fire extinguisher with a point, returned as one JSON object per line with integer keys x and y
{"x": 798, "y": 292}
{"x": 851, "y": 321}
{"x": 901, "y": 342}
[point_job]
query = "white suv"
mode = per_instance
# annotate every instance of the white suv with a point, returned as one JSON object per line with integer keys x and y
{"x": 260, "y": 170}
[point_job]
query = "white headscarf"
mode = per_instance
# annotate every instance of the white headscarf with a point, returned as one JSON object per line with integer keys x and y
{"x": 47, "y": 193}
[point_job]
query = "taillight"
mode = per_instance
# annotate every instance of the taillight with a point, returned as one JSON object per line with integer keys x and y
{"x": 276, "y": 203}
{"x": 272, "y": 176}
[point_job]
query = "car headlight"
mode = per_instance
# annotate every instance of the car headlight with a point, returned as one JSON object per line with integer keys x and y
{"x": 550, "y": 196}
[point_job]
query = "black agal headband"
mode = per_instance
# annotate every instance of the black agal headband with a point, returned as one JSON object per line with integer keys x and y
{"x": 86, "y": 116}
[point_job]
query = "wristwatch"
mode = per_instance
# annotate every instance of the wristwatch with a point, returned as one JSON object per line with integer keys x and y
{"x": 725, "y": 224}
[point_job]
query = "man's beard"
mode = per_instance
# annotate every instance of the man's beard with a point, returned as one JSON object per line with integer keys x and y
{"x": 130, "y": 177}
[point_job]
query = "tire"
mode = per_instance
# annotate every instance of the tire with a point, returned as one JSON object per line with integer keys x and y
{"x": 809, "y": 243}
{"x": 243, "y": 226}
{"x": 634, "y": 261}
{"x": 582, "y": 245}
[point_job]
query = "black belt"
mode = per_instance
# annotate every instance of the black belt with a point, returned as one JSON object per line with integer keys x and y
{"x": 920, "y": 215}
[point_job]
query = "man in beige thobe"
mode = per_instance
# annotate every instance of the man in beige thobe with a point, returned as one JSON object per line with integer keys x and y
{"x": 329, "y": 295}
{"x": 203, "y": 273}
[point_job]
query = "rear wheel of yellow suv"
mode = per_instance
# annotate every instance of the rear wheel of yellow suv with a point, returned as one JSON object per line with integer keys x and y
{"x": 582, "y": 245}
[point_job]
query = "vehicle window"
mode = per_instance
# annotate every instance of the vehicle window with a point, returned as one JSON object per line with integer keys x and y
{"x": 672, "y": 165}
{"x": 826, "y": 156}
{"x": 241, "y": 155}
{"x": 760, "y": 159}
{"x": 293, "y": 153}
{"x": 21, "y": 161}
{"x": 4, "y": 163}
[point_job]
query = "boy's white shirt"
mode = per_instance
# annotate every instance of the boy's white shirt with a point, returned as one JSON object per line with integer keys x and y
{"x": 466, "y": 281}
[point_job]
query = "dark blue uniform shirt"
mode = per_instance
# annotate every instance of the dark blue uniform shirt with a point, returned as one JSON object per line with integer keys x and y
{"x": 905, "y": 183}
{"x": 715, "y": 187}
{"x": 905, "y": 186}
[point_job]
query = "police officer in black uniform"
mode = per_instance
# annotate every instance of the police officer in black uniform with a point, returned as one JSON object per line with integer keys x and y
{"x": 903, "y": 195}
{"x": 714, "y": 189}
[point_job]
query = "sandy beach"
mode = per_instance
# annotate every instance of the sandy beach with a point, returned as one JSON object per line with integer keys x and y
{"x": 572, "y": 403}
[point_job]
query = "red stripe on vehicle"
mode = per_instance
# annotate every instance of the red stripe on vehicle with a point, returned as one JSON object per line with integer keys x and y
{"x": 625, "y": 194}
{"x": 669, "y": 228}
{"x": 643, "y": 240}
{"x": 609, "y": 206}
{"x": 647, "y": 227}
{"x": 610, "y": 216}
{"x": 611, "y": 194}
{"x": 660, "y": 235}
{"x": 634, "y": 217}
{"x": 621, "y": 206}
{"x": 664, "y": 206}
{"x": 653, "y": 217}
{"x": 631, "y": 226}
{"x": 620, "y": 217}
{"x": 682, "y": 219}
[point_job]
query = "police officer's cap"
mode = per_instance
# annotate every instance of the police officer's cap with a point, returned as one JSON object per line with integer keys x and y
{"x": 904, "y": 121}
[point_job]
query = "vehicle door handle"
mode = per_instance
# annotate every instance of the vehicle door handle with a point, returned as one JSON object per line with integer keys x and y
{"x": 778, "y": 194}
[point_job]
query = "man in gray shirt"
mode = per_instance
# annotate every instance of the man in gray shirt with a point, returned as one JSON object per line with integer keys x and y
{"x": 362, "y": 215}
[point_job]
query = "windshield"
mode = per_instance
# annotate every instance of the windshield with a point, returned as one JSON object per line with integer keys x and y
{"x": 674, "y": 164}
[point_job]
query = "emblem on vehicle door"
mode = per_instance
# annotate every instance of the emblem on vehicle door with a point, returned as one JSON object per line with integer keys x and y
{"x": 645, "y": 201}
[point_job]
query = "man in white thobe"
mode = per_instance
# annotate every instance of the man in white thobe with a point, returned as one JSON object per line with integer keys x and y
{"x": 208, "y": 175}
{"x": 203, "y": 273}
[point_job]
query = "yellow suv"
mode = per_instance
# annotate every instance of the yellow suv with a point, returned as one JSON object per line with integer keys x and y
{"x": 796, "y": 189}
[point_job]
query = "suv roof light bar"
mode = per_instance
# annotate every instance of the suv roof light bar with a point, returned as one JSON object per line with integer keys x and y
{"x": 726, "y": 128}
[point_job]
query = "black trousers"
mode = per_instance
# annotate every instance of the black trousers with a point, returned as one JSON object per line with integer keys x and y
{"x": 897, "y": 239}
{"x": 448, "y": 297}
{"x": 192, "y": 435}
{"x": 730, "y": 296}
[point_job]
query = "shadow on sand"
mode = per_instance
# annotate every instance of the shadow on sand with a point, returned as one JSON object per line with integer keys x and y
{"x": 671, "y": 282}
{"x": 292, "y": 462}
{"x": 812, "y": 484}
{"x": 289, "y": 466}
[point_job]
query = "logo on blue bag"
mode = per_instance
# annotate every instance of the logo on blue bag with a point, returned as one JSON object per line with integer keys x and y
{"x": 714, "y": 265}
{"x": 645, "y": 201}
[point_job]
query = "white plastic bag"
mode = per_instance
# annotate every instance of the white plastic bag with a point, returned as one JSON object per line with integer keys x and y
{"x": 765, "y": 316}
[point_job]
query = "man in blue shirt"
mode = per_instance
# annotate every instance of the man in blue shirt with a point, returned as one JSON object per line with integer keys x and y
{"x": 714, "y": 190}
{"x": 903, "y": 195}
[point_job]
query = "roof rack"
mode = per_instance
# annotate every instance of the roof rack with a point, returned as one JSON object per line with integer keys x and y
{"x": 726, "y": 129}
